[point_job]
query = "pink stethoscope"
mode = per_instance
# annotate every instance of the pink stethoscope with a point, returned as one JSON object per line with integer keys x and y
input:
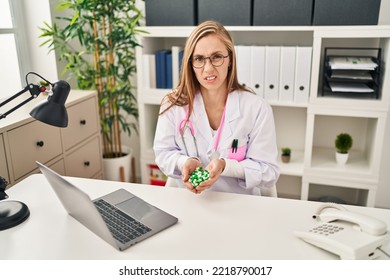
{"x": 186, "y": 123}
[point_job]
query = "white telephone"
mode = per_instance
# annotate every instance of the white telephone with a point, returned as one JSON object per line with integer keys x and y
{"x": 346, "y": 234}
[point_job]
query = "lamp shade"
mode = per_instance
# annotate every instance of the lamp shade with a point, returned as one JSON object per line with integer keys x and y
{"x": 52, "y": 111}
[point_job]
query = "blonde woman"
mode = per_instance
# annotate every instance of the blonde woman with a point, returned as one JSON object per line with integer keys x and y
{"x": 212, "y": 121}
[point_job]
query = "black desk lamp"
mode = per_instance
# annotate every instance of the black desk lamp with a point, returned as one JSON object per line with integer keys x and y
{"x": 51, "y": 111}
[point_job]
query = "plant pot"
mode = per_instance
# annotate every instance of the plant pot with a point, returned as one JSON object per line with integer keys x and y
{"x": 341, "y": 159}
{"x": 286, "y": 158}
{"x": 118, "y": 169}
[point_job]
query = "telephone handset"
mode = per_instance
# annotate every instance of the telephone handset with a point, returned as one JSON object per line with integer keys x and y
{"x": 347, "y": 234}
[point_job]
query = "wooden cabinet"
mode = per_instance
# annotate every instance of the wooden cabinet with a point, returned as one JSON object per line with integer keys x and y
{"x": 71, "y": 151}
{"x": 30, "y": 142}
{"x": 308, "y": 128}
{"x": 84, "y": 161}
{"x": 3, "y": 160}
{"x": 83, "y": 123}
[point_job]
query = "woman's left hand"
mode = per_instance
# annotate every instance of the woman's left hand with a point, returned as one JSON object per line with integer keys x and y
{"x": 215, "y": 168}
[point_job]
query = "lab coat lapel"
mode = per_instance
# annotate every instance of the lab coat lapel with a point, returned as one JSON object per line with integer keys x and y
{"x": 201, "y": 120}
{"x": 202, "y": 123}
{"x": 231, "y": 114}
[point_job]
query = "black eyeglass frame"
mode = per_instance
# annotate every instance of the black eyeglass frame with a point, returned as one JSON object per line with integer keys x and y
{"x": 209, "y": 58}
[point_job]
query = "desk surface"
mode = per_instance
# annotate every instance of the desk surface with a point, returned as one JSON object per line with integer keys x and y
{"x": 211, "y": 226}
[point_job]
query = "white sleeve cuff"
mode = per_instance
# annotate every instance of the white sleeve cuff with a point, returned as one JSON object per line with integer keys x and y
{"x": 233, "y": 169}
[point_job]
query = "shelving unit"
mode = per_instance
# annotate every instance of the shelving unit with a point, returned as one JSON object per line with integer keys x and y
{"x": 309, "y": 129}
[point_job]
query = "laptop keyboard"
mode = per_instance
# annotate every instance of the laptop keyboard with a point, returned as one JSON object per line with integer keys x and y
{"x": 123, "y": 227}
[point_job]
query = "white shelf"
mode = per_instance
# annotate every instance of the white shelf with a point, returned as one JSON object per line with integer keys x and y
{"x": 321, "y": 31}
{"x": 152, "y": 96}
{"x": 295, "y": 167}
{"x": 310, "y": 128}
{"x": 324, "y": 162}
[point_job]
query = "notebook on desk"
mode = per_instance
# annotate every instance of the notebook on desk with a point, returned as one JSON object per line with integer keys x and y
{"x": 120, "y": 218}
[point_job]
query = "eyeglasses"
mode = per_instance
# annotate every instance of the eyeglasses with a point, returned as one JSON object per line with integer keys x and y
{"x": 215, "y": 59}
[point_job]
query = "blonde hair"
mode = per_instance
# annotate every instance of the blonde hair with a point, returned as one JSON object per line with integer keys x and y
{"x": 188, "y": 84}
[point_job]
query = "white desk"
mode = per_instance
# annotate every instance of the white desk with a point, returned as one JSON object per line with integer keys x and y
{"x": 211, "y": 226}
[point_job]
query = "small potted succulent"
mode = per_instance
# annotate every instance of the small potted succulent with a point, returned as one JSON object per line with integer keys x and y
{"x": 286, "y": 154}
{"x": 343, "y": 144}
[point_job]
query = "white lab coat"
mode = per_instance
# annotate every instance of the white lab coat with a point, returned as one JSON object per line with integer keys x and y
{"x": 248, "y": 118}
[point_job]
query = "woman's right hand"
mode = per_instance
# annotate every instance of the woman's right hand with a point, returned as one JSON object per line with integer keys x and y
{"x": 189, "y": 166}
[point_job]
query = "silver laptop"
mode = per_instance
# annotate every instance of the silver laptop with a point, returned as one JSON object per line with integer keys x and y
{"x": 120, "y": 218}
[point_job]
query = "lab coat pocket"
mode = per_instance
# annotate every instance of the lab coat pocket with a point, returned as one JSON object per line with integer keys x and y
{"x": 238, "y": 153}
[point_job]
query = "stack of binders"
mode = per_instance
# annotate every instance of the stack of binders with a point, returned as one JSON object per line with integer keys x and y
{"x": 162, "y": 69}
{"x": 277, "y": 73}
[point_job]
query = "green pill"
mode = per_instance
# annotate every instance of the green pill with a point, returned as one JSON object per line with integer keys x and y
{"x": 198, "y": 176}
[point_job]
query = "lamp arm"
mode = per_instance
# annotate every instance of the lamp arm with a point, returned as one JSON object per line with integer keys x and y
{"x": 14, "y": 96}
{"x": 35, "y": 90}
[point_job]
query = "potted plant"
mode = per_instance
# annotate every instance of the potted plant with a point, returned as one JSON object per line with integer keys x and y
{"x": 105, "y": 36}
{"x": 343, "y": 144}
{"x": 286, "y": 154}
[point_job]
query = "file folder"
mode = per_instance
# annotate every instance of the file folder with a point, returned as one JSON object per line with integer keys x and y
{"x": 282, "y": 12}
{"x": 302, "y": 74}
{"x": 287, "y": 74}
{"x": 227, "y": 12}
{"x": 258, "y": 69}
{"x": 243, "y": 59}
{"x": 161, "y": 68}
{"x": 149, "y": 70}
{"x": 168, "y": 70}
{"x": 177, "y": 52}
{"x": 170, "y": 12}
{"x": 272, "y": 68}
{"x": 346, "y": 12}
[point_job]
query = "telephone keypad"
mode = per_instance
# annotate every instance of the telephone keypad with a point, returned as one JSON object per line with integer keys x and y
{"x": 326, "y": 229}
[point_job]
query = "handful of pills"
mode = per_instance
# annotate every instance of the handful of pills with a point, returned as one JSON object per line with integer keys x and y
{"x": 198, "y": 176}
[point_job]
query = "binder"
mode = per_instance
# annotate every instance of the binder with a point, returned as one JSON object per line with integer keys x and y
{"x": 257, "y": 69}
{"x": 227, "y": 12}
{"x": 161, "y": 68}
{"x": 170, "y": 12}
{"x": 287, "y": 74}
{"x": 302, "y": 74}
{"x": 272, "y": 65}
{"x": 243, "y": 62}
{"x": 181, "y": 53}
{"x": 149, "y": 70}
{"x": 282, "y": 12}
{"x": 168, "y": 70}
{"x": 177, "y": 56}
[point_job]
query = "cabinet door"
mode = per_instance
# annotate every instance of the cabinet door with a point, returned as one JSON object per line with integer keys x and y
{"x": 32, "y": 142}
{"x": 58, "y": 167}
{"x": 83, "y": 122}
{"x": 85, "y": 161}
{"x": 3, "y": 160}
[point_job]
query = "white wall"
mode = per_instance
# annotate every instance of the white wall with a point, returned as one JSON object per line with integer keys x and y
{"x": 384, "y": 15}
{"x": 383, "y": 193}
{"x": 41, "y": 61}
